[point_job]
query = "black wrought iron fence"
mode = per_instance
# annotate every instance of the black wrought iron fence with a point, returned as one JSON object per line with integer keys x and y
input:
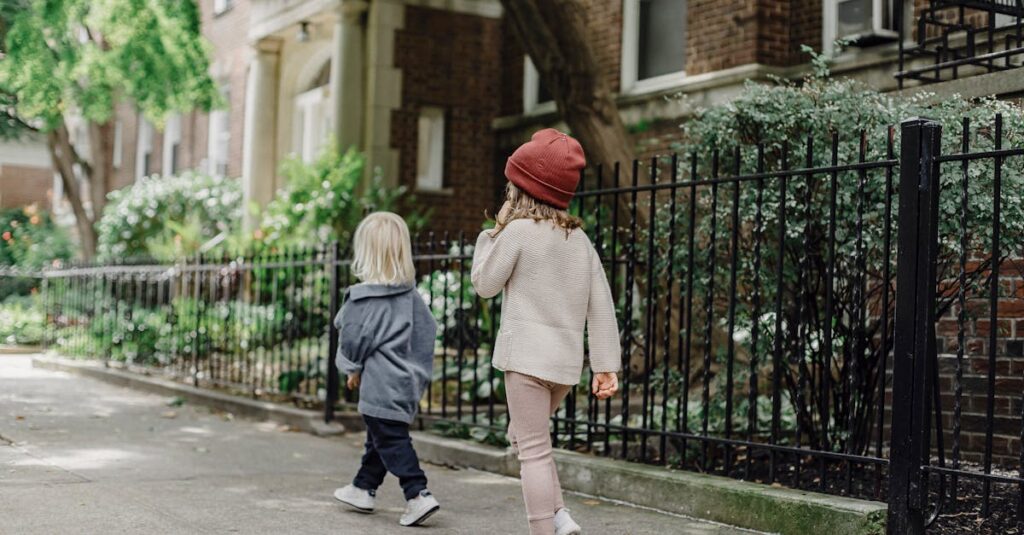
{"x": 759, "y": 309}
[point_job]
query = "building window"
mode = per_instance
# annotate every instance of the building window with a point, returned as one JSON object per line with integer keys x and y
{"x": 220, "y": 6}
{"x": 144, "y": 149}
{"x": 430, "y": 149}
{"x": 118, "y": 144}
{"x": 219, "y": 139}
{"x": 312, "y": 123}
{"x": 536, "y": 97}
{"x": 172, "y": 145}
{"x": 863, "y": 22}
{"x": 653, "y": 44}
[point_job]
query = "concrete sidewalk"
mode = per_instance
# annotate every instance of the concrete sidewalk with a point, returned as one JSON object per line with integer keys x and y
{"x": 80, "y": 456}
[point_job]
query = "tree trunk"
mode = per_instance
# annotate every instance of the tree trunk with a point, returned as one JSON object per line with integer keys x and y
{"x": 101, "y": 164}
{"x": 64, "y": 159}
{"x": 554, "y": 34}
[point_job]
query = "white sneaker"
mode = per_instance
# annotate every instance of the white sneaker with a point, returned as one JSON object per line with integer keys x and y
{"x": 356, "y": 498}
{"x": 419, "y": 509}
{"x": 565, "y": 525}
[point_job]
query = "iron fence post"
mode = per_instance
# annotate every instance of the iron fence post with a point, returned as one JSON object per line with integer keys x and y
{"x": 197, "y": 293}
{"x": 332, "y": 335}
{"x": 914, "y": 337}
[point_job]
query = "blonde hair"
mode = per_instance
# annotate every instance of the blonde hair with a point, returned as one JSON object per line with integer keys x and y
{"x": 383, "y": 250}
{"x": 523, "y": 206}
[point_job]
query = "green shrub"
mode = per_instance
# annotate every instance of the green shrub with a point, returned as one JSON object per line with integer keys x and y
{"x": 168, "y": 216}
{"x": 22, "y": 321}
{"x": 324, "y": 200}
{"x": 790, "y": 115}
{"x": 29, "y": 238}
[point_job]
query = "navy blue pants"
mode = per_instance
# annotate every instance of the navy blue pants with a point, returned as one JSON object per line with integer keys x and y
{"x": 389, "y": 449}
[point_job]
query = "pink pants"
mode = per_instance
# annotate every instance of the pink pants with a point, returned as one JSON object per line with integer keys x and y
{"x": 531, "y": 402}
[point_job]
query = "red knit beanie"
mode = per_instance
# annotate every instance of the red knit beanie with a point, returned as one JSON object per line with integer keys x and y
{"x": 547, "y": 167}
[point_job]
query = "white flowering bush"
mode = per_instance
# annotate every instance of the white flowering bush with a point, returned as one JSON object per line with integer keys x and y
{"x": 156, "y": 207}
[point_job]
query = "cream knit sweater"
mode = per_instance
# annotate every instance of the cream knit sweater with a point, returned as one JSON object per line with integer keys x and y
{"x": 553, "y": 285}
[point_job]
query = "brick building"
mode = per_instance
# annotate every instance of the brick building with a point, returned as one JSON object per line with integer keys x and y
{"x": 26, "y": 175}
{"x": 437, "y": 93}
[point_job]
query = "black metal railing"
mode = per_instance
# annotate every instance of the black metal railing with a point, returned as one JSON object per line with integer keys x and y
{"x": 773, "y": 302}
{"x": 937, "y": 474}
{"x": 954, "y": 38}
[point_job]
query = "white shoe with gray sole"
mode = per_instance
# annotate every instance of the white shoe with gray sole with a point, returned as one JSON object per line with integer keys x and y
{"x": 419, "y": 509}
{"x": 565, "y": 525}
{"x": 359, "y": 499}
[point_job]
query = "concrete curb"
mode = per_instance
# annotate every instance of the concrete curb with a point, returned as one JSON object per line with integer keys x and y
{"x": 19, "y": 350}
{"x": 728, "y": 501}
{"x": 300, "y": 419}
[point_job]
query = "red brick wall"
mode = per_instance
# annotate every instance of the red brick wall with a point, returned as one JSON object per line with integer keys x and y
{"x": 721, "y": 34}
{"x": 783, "y": 27}
{"x": 604, "y": 25}
{"x": 451, "y": 60}
{"x": 1009, "y": 383}
{"x": 21, "y": 186}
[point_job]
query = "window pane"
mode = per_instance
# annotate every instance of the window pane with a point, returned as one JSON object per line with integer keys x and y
{"x": 662, "y": 38}
{"x": 430, "y": 149}
{"x": 854, "y": 17}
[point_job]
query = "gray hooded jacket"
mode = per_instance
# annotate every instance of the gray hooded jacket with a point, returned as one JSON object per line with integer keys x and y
{"x": 387, "y": 334}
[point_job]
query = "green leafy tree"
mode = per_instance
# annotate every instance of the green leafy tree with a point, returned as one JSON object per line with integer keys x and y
{"x": 72, "y": 61}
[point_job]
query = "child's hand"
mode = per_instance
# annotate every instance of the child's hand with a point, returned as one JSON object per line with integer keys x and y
{"x": 353, "y": 381}
{"x": 605, "y": 385}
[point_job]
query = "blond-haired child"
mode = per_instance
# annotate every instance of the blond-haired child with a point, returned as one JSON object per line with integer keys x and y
{"x": 387, "y": 351}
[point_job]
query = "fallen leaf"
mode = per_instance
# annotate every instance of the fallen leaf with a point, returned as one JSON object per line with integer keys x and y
{"x": 19, "y": 417}
{"x": 591, "y": 502}
{"x": 169, "y": 414}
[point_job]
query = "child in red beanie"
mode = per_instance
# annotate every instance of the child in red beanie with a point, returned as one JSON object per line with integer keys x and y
{"x": 554, "y": 286}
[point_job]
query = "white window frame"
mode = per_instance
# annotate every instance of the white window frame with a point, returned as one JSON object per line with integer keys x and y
{"x": 172, "y": 139}
{"x": 830, "y": 22}
{"x": 531, "y": 90}
{"x": 430, "y": 149}
{"x": 143, "y": 146}
{"x": 312, "y": 127}
{"x": 630, "y": 56}
{"x": 218, "y": 147}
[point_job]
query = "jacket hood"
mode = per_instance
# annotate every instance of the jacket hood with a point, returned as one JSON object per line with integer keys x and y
{"x": 363, "y": 291}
